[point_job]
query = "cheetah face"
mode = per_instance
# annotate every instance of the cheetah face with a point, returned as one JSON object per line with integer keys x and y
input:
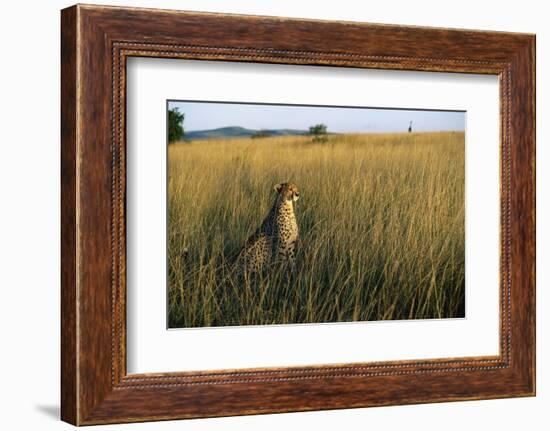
{"x": 288, "y": 191}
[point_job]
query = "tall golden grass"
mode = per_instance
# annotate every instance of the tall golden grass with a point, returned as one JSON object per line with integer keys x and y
{"x": 381, "y": 219}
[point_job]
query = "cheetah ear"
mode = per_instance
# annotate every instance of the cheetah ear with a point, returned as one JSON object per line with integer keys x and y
{"x": 277, "y": 187}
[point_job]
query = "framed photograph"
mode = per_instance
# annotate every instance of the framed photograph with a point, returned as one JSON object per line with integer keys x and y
{"x": 264, "y": 214}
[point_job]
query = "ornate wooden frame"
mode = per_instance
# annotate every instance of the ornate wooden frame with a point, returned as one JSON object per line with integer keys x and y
{"x": 95, "y": 43}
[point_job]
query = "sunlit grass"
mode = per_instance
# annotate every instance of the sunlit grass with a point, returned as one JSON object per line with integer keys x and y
{"x": 381, "y": 219}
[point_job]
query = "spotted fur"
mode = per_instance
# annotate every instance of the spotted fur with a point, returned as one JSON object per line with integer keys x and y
{"x": 275, "y": 240}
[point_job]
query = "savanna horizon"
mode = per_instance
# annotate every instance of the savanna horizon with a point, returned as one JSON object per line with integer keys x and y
{"x": 380, "y": 216}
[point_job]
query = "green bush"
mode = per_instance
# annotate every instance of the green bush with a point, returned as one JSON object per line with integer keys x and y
{"x": 175, "y": 125}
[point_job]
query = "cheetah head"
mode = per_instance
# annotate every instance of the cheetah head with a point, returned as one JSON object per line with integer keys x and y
{"x": 288, "y": 191}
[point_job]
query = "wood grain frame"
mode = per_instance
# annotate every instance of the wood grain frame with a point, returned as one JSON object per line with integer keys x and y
{"x": 95, "y": 44}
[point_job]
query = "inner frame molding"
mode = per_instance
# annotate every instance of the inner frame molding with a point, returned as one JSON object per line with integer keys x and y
{"x": 121, "y": 52}
{"x": 96, "y": 42}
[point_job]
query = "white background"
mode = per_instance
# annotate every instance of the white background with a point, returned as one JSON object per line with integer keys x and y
{"x": 29, "y": 216}
{"x": 151, "y": 348}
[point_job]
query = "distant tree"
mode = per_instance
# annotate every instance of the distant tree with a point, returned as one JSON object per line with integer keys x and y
{"x": 260, "y": 134}
{"x": 319, "y": 133}
{"x": 175, "y": 125}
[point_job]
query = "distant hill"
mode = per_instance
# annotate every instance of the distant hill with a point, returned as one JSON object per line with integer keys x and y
{"x": 238, "y": 132}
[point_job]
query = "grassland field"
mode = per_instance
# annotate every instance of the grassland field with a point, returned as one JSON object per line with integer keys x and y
{"x": 381, "y": 220}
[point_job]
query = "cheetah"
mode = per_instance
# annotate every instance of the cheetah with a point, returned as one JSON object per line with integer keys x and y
{"x": 274, "y": 241}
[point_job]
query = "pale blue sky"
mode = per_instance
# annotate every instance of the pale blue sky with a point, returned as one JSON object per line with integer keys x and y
{"x": 212, "y": 115}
